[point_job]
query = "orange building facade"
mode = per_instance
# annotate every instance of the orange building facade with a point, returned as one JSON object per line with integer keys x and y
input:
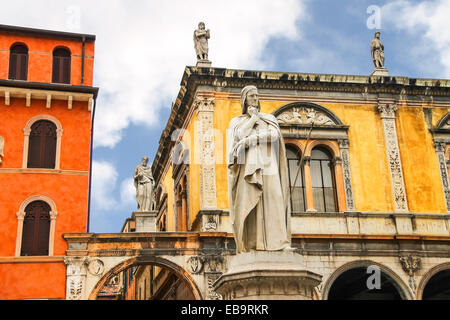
{"x": 46, "y": 112}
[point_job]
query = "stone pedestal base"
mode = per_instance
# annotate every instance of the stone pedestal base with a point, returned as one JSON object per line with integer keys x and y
{"x": 145, "y": 221}
{"x": 380, "y": 72}
{"x": 267, "y": 275}
{"x": 203, "y": 63}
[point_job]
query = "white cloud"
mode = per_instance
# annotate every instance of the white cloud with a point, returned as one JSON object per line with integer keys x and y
{"x": 142, "y": 47}
{"x": 427, "y": 21}
{"x": 104, "y": 180}
{"x": 128, "y": 192}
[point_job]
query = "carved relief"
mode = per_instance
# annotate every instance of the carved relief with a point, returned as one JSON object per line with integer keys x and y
{"x": 210, "y": 222}
{"x": 96, "y": 267}
{"x": 205, "y": 107}
{"x": 76, "y": 277}
{"x": 343, "y": 146}
{"x": 393, "y": 154}
{"x": 411, "y": 264}
{"x": 440, "y": 151}
{"x": 304, "y": 115}
{"x": 210, "y": 278}
{"x": 195, "y": 264}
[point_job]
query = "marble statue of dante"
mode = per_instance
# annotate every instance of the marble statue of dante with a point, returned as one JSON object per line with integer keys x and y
{"x": 144, "y": 182}
{"x": 201, "y": 37}
{"x": 258, "y": 182}
{"x": 377, "y": 51}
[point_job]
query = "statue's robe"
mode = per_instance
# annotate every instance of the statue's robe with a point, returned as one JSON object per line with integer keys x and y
{"x": 144, "y": 187}
{"x": 258, "y": 186}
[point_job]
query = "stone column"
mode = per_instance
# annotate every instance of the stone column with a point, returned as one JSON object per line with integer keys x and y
{"x": 51, "y": 244}
{"x": 76, "y": 272}
{"x": 267, "y": 275}
{"x": 20, "y": 218}
{"x": 308, "y": 186}
{"x": 440, "y": 153}
{"x": 346, "y": 174}
{"x": 205, "y": 131}
{"x": 387, "y": 111}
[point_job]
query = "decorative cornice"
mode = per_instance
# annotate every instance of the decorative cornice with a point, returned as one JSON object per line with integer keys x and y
{"x": 233, "y": 80}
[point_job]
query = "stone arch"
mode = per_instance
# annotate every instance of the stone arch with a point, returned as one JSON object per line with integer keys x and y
{"x": 329, "y": 145}
{"x": 184, "y": 275}
{"x": 328, "y": 117}
{"x": 399, "y": 284}
{"x": 444, "y": 123}
{"x": 427, "y": 276}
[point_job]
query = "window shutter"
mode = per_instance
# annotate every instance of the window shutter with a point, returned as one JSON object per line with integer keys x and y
{"x": 12, "y": 66}
{"x": 36, "y": 229}
{"x": 18, "y": 62}
{"x": 42, "y": 145}
{"x": 61, "y": 66}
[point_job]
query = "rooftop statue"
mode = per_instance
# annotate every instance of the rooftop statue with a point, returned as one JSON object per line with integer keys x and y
{"x": 201, "y": 36}
{"x": 377, "y": 51}
{"x": 144, "y": 183}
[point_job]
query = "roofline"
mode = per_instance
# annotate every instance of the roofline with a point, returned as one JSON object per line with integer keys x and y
{"x": 49, "y": 86}
{"x": 47, "y": 33}
{"x": 385, "y": 86}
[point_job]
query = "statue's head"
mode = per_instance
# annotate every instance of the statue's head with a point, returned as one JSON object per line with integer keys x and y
{"x": 377, "y": 34}
{"x": 249, "y": 98}
{"x": 201, "y": 25}
{"x": 144, "y": 160}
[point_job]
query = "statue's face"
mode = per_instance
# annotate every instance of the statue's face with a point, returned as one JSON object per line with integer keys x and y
{"x": 201, "y": 26}
{"x": 144, "y": 161}
{"x": 252, "y": 99}
{"x": 377, "y": 35}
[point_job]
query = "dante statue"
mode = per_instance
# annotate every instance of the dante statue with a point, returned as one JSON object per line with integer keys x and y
{"x": 377, "y": 51}
{"x": 144, "y": 183}
{"x": 258, "y": 182}
{"x": 201, "y": 37}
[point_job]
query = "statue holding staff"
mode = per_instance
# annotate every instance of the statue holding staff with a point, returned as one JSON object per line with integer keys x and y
{"x": 258, "y": 181}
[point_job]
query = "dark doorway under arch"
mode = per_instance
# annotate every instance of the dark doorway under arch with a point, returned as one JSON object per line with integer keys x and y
{"x": 352, "y": 285}
{"x": 146, "y": 278}
{"x": 438, "y": 287}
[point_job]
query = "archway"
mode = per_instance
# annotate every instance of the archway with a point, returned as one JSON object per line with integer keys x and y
{"x": 357, "y": 281}
{"x": 435, "y": 284}
{"x": 175, "y": 275}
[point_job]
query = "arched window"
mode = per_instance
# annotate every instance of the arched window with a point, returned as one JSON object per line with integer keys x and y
{"x": 18, "y": 62}
{"x": 322, "y": 181}
{"x": 61, "y": 66}
{"x": 42, "y": 145}
{"x": 296, "y": 176}
{"x": 36, "y": 229}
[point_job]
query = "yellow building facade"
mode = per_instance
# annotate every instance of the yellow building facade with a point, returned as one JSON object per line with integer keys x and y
{"x": 373, "y": 185}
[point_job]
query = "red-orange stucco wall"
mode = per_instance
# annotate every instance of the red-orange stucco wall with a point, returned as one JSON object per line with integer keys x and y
{"x": 40, "y": 54}
{"x": 68, "y": 187}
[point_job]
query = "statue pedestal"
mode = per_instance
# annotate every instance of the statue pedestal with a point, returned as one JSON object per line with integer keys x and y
{"x": 145, "y": 221}
{"x": 267, "y": 275}
{"x": 202, "y": 63}
{"x": 380, "y": 72}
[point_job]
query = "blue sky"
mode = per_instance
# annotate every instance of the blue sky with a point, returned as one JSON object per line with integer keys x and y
{"x": 143, "y": 46}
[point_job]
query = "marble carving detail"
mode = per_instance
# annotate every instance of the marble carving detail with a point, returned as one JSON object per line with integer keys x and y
{"x": 393, "y": 156}
{"x": 304, "y": 115}
{"x": 205, "y": 110}
{"x": 343, "y": 146}
{"x": 440, "y": 152}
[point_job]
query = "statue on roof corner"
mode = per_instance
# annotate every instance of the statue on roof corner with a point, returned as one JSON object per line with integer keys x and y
{"x": 201, "y": 36}
{"x": 258, "y": 181}
{"x": 377, "y": 51}
{"x": 144, "y": 183}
